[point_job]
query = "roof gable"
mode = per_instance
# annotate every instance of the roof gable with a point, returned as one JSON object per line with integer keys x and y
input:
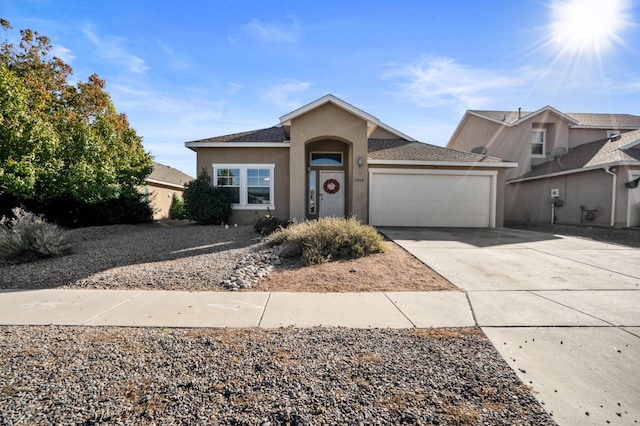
{"x": 372, "y": 121}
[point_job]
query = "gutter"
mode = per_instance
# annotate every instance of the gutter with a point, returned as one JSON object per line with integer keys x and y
{"x": 496, "y": 165}
{"x": 614, "y": 183}
{"x": 572, "y": 171}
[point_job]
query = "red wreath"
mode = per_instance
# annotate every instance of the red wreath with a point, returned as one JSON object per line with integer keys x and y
{"x": 331, "y": 190}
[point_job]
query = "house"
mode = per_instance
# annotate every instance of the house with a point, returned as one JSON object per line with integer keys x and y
{"x": 161, "y": 184}
{"x": 573, "y": 168}
{"x": 329, "y": 158}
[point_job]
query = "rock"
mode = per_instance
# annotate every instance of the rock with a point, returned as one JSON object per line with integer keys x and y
{"x": 293, "y": 249}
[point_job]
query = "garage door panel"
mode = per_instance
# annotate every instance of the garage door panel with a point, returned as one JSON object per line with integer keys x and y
{"x": 430, "y": 200}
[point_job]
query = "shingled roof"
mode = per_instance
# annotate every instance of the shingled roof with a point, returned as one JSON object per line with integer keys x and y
{"x": 600, "y": 153}
{"x": 608, "y": 121}
{"x": 402, "y": 150}
{"x": 269, "y": 134}
{"x": 168, "y": 175}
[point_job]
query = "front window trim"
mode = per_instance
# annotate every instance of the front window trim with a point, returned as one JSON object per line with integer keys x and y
{"x": 244, "y": 186}
{"x": 543, "y": 132}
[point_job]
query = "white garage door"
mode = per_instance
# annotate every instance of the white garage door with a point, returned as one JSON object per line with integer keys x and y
{"x": 439, "y": 198}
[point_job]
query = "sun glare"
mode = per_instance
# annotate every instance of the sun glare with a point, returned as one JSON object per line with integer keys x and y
{"x": 588, "y": 27}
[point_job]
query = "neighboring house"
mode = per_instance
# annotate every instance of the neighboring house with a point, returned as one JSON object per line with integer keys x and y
{"x": 330, "y": 158}
{"x": 587, "y": 159}
{"x": 162, "y": 183}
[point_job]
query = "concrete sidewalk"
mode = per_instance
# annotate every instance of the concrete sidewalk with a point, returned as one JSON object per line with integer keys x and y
{"x": 241, "y": 309}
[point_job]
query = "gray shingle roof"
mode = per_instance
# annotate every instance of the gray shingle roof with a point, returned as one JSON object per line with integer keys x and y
{"x": 270, "y": 134}
{"x": 611, "y": 121}
{"x": 169, "y": 175}
{"x": 402, "y": 150}
{"x": 599, "y": 153}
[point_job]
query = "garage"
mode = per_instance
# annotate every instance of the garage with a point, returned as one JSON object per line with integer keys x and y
{"x": 432, "y": 198}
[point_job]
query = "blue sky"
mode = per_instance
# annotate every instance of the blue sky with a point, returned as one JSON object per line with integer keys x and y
{"x": 186, "y": 70}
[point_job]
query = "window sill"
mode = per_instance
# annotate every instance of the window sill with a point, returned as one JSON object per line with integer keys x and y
{"x": 538, "y": 156}
{"x": 254, "y": 207}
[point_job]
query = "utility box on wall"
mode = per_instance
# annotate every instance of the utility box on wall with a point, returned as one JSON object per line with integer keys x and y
{"x": 555, "y": 193}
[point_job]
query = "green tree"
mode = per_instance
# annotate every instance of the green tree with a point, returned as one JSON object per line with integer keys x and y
{"x": 60, "y": 139}
{"x": 176, "y": 210}
{"x": 204, "y": 203}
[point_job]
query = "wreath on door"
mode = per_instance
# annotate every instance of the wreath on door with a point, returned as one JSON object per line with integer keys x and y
{"x": 331, "y": 186}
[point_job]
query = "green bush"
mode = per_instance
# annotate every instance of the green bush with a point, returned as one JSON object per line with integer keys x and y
{"x": 28, "y": 237}
{"x": 328, "y": 239}
{"x": 176, "y": 210}
{"x": 268, "y": 224}
{"x": 204, "y": 203}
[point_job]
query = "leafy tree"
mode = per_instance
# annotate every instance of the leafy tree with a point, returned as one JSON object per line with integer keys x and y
{"x": 59, "y": 139}
{"x": 204, "y": 203}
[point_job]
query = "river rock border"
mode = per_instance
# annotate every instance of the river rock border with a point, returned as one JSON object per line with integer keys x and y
{"x": 251, "y": 268}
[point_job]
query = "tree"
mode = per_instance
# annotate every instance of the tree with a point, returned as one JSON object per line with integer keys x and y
{"x": 60, "y": 139}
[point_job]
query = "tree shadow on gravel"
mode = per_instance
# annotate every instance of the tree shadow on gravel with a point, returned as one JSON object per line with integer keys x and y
{"x": 98, "y": 249}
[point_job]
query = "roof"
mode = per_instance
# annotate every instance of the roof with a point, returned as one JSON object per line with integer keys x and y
{"x": 598, "y": 154}
{"x": 168, "y": 175}
{"x": 608, "y": 121}
{"x": 403, "y": 150}
{"x": 270, "y": 134}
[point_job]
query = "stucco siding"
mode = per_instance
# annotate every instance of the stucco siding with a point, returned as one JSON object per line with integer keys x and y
{"x": 160, "y": 197}
{"x": 531, "y": 200}
{"x": 329, "y": 122}
{"x": 277, "y": 156}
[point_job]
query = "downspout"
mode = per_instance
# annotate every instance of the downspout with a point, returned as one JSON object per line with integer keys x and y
{"x": 614, "y": 183}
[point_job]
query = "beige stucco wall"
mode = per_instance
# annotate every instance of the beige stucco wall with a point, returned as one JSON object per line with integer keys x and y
{"x": 329, "y": 122}
{"x": 277, "y": 156}
{"x": 531, "y": 200}
{"x": 160, "y": 197}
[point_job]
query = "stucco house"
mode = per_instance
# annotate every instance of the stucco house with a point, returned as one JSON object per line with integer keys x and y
{"x": 161, "y": 184}
{"x": 329, "y": 158}
{"x": 573, "y": 168}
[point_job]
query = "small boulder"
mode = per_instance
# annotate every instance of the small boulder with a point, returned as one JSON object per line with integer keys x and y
{"x": 293, "y": 249}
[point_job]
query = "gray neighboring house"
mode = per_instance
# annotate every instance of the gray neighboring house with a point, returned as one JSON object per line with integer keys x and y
{"x": 161, "y": 184}
{"x": 573, "y": 168}
{"x": 329, "y": 158}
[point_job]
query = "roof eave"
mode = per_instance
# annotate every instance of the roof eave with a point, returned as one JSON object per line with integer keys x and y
{"x": 442, "y": 163}
{"x": 193, "y": 145}
{"x": 580, "y": 170}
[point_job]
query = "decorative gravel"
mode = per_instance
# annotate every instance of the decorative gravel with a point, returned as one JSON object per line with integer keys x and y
{"x": 629, "y": 237}
{"x": 73, "y": 375}
{"x": 158, "y": 256}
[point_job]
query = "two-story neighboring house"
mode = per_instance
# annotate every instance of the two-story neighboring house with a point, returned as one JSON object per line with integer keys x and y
{"x": 573, "y": 168}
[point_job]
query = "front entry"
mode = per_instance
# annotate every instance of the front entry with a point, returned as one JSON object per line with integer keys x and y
{"x": 331, "y": 193}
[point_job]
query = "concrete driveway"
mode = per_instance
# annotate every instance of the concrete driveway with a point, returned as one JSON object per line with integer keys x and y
{"x": 564, "y": 312}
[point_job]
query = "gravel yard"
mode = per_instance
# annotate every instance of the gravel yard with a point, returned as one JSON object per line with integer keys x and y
{"x": 628, "y": 237}
{"x": 162, "y": 256}
{"x": 69, "y": 375}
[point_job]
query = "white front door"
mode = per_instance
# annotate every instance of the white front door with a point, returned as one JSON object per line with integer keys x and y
{"x": 331, "y": 194}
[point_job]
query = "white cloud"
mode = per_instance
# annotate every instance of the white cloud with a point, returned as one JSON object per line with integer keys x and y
{"x": 63, "y": 53}
{"x": 272, "y": 32}
{"x": 283, "y": 95}
{"x": 434, "y": 82}
{"x": 111, "y": 48}
{"x": 234, "y": 87}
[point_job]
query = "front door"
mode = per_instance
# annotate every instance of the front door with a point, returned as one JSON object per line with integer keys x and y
{"x": 331, "y": 194}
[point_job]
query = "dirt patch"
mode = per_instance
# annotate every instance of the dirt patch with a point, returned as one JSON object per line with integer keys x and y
{"x": 393, "y": 270}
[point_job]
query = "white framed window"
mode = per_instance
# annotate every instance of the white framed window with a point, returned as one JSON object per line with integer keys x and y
{"x": 611, "y": 133}
{"x": 538, "y": 137}
{"x": 250, "y": 186}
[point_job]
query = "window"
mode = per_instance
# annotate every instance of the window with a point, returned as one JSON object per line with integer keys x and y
{"x": 611, "y": 133}
{"x": 312, "y": 192}
{"x": 537, "y": 142}
{"x": 250, "y": 186}
{"x": 326, "y": 159}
